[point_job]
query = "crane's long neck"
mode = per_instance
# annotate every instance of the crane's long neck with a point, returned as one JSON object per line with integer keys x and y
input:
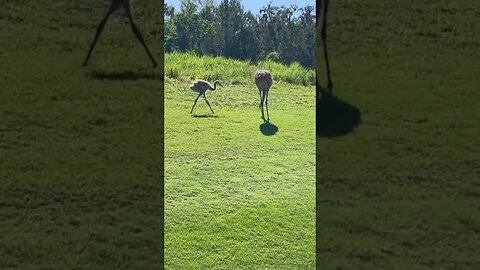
{"x": 214, "y": 85}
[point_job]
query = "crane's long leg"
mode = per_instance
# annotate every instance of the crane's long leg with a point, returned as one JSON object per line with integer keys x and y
{"x": 324, "y": 41}
{"x": 260, "y": 106}
{"x": 99, "y": 32}
{"x": 195, "y": 103}
{"x": 138, "y": 34}
{"x": 266, "y": 105}
{"x": 208, "y": 103}
{"x": 264, "y": 96}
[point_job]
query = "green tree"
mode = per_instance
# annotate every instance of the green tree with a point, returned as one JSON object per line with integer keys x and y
{"x": 227, "y": 30}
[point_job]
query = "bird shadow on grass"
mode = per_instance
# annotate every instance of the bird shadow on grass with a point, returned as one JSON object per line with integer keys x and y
{"x": 125, "y": 75}
{"x": 204, "y": 116}
{"x": 268, "y": 129}
{"x": 335, "y": 117}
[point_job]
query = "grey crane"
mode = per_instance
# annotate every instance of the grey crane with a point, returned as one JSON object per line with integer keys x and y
{"x": 201, "y": 86}
{"x": 115, "y": 5}
{"x": 263, "y": 80}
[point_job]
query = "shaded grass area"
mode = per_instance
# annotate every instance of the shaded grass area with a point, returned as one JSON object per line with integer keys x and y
{"x": 401, "y": 190}
{"x": 107, "y": 227}
{"x": 239, "y": 194}
{"x": 80, "y": 158}
{"x": 125, "y": 75}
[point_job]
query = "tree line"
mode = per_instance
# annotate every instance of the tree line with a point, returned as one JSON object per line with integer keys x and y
{"x": 282, "y": 34}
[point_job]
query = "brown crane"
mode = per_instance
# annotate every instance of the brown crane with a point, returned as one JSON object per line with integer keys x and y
{"x": 263, "y": 80}
{"x": 201, "y": 86}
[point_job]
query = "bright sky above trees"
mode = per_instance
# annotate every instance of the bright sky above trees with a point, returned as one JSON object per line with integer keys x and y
{"x": 255, "y": 5}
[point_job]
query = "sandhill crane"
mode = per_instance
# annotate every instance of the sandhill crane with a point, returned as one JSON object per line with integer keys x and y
{"x": 201, "y": 86}
{"x": 115, "y": 5}
{"x": 263, "y": 80}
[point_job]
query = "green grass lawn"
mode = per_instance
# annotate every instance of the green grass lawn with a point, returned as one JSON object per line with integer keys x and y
{"x": 80, "y": 157}
{"x": 236, "y": 196}
{"x": 402, "y": 190}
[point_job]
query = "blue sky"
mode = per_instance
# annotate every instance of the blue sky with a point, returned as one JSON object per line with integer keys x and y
{"x": 256, "y": 5}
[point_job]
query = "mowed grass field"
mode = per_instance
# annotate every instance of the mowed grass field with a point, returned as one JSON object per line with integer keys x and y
{"x": 238, "y": 195}
{"x": 402, "y": 191}
{"x": 81, "y": 148}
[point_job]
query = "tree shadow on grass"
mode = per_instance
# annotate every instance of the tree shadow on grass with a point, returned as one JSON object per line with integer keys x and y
{"x": 268, "y": 129}
{"x": 125, "y": 75}
{"x": 335, "y": 117}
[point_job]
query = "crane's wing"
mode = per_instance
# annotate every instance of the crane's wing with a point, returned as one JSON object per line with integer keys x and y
{"x": 200, "y": 83}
